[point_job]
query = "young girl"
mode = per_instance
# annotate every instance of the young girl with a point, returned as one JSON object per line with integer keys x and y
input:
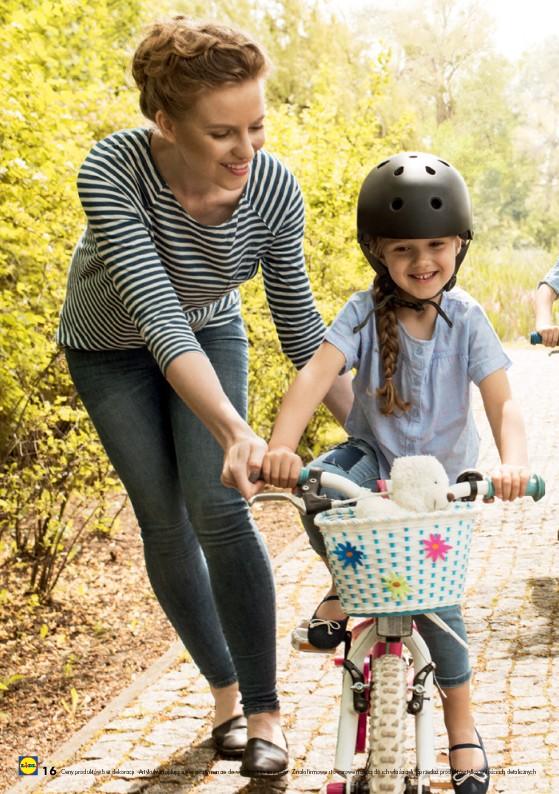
{"x": 416, "y": 344}
{"x": 546, "y": 294}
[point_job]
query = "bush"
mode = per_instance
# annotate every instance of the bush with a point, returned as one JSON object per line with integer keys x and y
{"x": 63, "y": 88}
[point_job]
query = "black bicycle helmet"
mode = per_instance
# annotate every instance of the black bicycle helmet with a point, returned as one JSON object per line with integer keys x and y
{"x": 413, "y": 195}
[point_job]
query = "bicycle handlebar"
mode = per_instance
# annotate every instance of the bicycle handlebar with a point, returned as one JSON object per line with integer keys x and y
{"x": 308, "y": 501}
{"x": 460, "y": 490}
{"x": 535, "y": 338}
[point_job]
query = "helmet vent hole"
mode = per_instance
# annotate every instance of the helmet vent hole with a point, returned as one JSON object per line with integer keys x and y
{"x": 399, "y": 171}
{"x": 396, "y": 204}
{"x": 384, "y": 162}
{"x": 436, "y": 203}
{"x": 430, "y": 170}
{"x": 443, "y": 162}
{"x": 413, "y": 157}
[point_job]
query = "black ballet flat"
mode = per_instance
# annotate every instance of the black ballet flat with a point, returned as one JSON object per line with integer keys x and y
{"x": 264, "y": 759}
{"x": 230, "y": 738}
{"x": 470, "y": 782}
{"x": 326, "y": 634}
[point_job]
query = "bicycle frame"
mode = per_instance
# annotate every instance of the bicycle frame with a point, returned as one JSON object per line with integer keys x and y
{"x": 365, "y": 642}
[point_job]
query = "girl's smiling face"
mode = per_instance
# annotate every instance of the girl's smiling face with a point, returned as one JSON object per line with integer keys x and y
{"x": 420, "y": 268}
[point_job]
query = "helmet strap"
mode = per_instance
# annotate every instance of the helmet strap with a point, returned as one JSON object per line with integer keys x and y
{"x": 394, "y": 300}
{"x": 419, "y": 306}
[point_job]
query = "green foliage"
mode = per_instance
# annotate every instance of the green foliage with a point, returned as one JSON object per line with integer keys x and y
{"x": 9, "y": 682}
{"x": 63, "y": 87}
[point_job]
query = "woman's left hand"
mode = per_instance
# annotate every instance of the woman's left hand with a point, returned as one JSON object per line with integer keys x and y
{"x": 510, "y": 481}
{"x": 242, "y": 463}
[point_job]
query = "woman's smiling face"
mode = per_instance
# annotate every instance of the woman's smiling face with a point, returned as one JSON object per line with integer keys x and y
{"x": 420, "y": 268}
{"x": 217, "y": 140}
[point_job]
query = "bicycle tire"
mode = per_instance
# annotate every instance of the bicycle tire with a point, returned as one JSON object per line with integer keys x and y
{"x": 387, "y": 725}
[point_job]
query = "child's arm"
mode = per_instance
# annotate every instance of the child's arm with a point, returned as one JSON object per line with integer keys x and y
{"x": 281, "y": 466}
{"x": 507, "y": 426}
{"x": 545, "y": 296}
{"x": 340, "y": 397}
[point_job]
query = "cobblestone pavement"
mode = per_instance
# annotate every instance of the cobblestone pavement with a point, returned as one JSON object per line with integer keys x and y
{"x": 158, "y": 740}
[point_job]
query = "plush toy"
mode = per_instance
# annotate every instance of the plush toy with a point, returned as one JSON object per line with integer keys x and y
{"x": 419, "y": 484}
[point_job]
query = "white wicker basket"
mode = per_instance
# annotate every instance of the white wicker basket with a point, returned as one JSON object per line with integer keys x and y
{"x": 406, "y": 565}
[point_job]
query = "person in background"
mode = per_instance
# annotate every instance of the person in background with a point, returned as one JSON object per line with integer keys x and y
{"x": 546, "y": 294}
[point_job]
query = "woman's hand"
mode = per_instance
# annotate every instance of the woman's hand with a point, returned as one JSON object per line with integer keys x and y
{"x": 510, "y": 481}
{"x": 281, "y": 467}
{"x": 549, "y": 335}
{"x": 242, "y": 464}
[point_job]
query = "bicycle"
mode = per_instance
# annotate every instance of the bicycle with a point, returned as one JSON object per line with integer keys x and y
{"x": 380, "y": 685}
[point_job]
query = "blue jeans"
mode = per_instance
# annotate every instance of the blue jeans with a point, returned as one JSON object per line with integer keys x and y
{"x": 205, "y": 558}
{"x": 357, "y": 461}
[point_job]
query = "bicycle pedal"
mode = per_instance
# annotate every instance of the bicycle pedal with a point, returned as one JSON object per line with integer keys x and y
{"x": 300, "y": 641}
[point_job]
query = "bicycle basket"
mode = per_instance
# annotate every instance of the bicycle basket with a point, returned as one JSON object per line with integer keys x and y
{"x": 407, "y": 565}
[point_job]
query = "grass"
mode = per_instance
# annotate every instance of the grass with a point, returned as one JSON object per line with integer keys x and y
{"x": 504, "y": 282}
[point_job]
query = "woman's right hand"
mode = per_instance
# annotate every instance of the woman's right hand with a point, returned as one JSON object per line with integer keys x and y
{"x": 549, "y": 335}
{"x": 242, "y": 464}
{"x": 281, "y": 466}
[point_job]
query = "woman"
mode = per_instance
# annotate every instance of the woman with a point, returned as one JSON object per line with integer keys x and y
{"x": 178, "y": 216}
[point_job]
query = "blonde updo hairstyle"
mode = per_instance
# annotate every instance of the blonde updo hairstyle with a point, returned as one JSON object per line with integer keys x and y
{"x": 178, "y": 59}
{"x": 389, "y": 340}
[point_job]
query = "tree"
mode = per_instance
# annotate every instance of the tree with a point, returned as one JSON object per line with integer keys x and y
{"x": 537, "y": 103}
{"x": 434, "y": 46}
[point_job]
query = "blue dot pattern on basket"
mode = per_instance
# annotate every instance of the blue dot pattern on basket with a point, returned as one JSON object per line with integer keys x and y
{"x": 432, "y": 573}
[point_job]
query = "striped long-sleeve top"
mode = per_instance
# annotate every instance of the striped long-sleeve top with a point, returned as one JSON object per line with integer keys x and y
{"x": 145, "y": 273}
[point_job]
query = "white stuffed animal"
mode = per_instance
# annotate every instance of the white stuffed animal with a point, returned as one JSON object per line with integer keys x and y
{"x": 419, "y": 484}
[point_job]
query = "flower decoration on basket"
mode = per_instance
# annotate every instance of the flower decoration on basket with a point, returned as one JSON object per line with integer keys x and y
{"x": 397, "y": 586}
{"x": 349, "y": 555}
{"x": 436, "y": 548}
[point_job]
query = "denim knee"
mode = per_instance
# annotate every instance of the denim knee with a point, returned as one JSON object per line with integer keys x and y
{"x": 352, "y": 459}
{"x": 451, "y": 659}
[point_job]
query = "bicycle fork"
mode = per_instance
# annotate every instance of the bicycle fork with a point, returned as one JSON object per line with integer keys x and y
{"x": 372, "y": 634}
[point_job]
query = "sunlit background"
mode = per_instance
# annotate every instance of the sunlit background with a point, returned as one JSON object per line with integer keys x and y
{"x": 518, "y": 25}
{"x": 353, "y": 82}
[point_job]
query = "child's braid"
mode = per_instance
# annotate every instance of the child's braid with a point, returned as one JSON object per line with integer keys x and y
{"x": 389, "y": 343}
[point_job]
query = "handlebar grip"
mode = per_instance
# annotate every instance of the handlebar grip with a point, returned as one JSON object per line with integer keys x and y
{"x": 304, "y": 475}
{"x": 535, "y": 338}
{"x": 535, "y": 488}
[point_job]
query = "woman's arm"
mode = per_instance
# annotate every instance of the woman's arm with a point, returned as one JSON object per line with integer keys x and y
{"x": 545, "y": 296}
{"x": 194, "y": 379}
{"x": 281, "y": 465}
{"x": 507, "y": 426}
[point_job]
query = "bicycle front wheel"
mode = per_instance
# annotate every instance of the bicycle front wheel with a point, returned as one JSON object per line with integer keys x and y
{"x": 387, "y": 725}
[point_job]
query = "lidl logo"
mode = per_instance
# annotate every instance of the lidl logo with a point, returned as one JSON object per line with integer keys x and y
{"x": 28, "y": 765}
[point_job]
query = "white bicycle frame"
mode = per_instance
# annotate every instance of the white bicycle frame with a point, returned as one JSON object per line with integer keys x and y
{"x": 361, "y": 647}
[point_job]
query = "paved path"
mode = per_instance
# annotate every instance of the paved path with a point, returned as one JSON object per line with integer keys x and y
{"x": 157, "y": 737}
